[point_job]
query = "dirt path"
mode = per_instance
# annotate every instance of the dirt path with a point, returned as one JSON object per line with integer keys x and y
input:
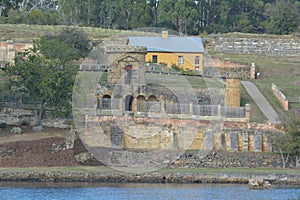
{"x": 28, "y": 137}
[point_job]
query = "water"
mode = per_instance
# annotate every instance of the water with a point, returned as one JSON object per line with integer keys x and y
{"x": 47, "y": 191}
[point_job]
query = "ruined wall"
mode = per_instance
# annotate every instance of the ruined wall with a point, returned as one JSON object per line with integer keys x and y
{"x": 9, "y": 49}
{"x": 280, "y": 96}
{"x": 143, "y": 133}
{"x": 225, "y": 68}
{"x": 266, "y": 45}
{"x": 233, "y": 92}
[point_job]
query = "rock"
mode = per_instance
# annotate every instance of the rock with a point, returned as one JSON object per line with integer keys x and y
{"x": 37, "y": 128}
{"x": 257, "y": 184}
{"x": 16, "y": 130}
{"x": 83, "y": 157}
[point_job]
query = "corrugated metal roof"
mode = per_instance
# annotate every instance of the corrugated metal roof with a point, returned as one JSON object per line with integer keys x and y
{"x": 170, "y": 44}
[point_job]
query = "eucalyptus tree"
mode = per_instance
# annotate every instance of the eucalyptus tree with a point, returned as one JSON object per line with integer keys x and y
{"x": 46, "y": 73}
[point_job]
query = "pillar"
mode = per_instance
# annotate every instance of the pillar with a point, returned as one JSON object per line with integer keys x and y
{"x": 245, "y": 136}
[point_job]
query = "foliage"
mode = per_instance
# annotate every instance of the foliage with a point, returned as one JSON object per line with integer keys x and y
{"x": 46, "y": 73}
{"x": 77, "y": 42}
{"x": 289, "y": 143}
{"x": 186, "y": 16}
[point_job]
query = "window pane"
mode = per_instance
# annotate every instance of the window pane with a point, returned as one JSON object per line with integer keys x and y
{"x": 180, "y": 60}
{"x": 154, "y": 58}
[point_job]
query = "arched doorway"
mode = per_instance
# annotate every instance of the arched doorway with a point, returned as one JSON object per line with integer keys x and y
{"x": 106, "y": 102}
{"x": 141, "y": 103}
{"x": 152, "y": 98}
{"x": 128, "y": 103}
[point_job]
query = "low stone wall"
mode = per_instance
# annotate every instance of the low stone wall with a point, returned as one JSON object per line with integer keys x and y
{"x": 227, "y": 159}
{"x": 8, "y": 50}
{"x": 250, "y": 44}
{"x": 280, "y": 96}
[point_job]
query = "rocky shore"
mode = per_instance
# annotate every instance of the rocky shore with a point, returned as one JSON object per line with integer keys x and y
{"x": 150, "y": 177}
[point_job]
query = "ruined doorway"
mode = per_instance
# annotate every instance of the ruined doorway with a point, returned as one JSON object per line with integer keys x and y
{"x": 128, "y": 103}
{"x": 128, "y": 74}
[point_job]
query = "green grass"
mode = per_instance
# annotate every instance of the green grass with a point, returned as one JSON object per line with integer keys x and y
{"x": 281, "y": 70}
{"x": 27, "y": 33}
{"x": 104, "y": 169}
{"x": 256, "y": 114}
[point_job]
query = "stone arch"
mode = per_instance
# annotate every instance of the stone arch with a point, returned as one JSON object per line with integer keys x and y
{"x": 152, "y": 98}
{"x": 106, "y": 102}
{"x": 129, "y": 103}
{"x": 141, "y": 103}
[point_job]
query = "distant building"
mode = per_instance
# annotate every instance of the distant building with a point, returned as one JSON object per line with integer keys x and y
{"x": 184, "y": 52}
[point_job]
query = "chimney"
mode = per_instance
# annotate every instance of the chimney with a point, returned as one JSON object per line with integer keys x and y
{"x": 164, "y": 34}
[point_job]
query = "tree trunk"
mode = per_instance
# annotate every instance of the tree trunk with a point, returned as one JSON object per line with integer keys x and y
{"x": 38, "y": 111}
{"x": 284, "y": 161}
{"x": 297, "y": 161}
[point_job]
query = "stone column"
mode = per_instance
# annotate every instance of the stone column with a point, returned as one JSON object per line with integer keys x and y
{"x": 191, "y": 108}
{"x": 252, "y": 71}
{"x": 134, "y": 106}
{"x": 245, "y": 139}
{"x": 122, "y": 106}
{"x": 247, "y": 112}
{"x": 162, "y": 109}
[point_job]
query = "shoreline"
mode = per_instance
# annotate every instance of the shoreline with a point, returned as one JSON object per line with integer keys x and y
{"x": 181, "y": 176}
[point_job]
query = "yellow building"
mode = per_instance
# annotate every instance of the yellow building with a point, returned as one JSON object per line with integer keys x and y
{"x": 182, "y": 51}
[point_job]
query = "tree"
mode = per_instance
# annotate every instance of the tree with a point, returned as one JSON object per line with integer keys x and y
{"x": 180, "y": 14}
{"x": 74, "y": 38}
{"x": 282, "y": 17}
{"x": 46, "y": 73}
{"x": 289, "y": 143}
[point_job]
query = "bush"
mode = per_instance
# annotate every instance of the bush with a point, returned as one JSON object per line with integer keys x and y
{"x": 3, "y": 125}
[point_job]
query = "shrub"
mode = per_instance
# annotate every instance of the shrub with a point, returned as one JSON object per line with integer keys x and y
{"x": 3, "y": 125}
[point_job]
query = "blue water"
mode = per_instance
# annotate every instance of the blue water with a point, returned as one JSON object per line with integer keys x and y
{"x": 141, "y": 191}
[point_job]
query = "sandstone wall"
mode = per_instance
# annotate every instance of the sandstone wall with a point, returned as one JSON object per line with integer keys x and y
{"x": 9, "y": 49}
{"x": 233, "y": 92}
{"x": 280, "y": 96}
{"x": 266, "y": 45}
{"x": 148, "y": 134}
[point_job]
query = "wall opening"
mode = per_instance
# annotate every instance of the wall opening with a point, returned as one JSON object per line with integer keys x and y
{"x": 128, "y": 103}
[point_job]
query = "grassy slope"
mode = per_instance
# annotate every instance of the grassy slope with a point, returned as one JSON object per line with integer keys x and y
{"x": 25, "y": 33}
{"x": 283, "y": 71}
{"x": 104, "y": 169}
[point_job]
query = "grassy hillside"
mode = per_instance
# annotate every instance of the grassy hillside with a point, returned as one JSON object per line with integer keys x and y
{"x": 281, "y": 70}
{"x": 25, "y": 33}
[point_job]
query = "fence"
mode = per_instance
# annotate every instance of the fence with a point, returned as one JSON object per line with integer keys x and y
{"x": 142, "y": 106}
